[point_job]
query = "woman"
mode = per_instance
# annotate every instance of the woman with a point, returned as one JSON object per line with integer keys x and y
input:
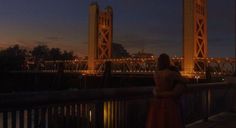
{"x": 165, "y": 109}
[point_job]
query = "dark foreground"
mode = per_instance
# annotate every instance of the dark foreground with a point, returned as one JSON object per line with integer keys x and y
{"x": 45, "y": 81}
{"x": 107, "y": 108}
{"x": 222, "y": 120}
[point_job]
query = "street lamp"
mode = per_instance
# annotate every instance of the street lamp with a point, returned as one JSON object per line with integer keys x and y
{"x": 197, "y": 77}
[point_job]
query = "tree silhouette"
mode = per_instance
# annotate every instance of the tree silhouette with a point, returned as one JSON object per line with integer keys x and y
{"x": 55, "y": 54}
{"x": 68, "y": 55}
{"x": 15, "y": 58}
{"x": 118, "y": 51}
{"x": 12, "y": 58}
{"x": 40, "y": 52}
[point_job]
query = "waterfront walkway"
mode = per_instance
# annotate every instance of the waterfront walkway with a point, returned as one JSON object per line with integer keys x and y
{"x": 223, "y": 120}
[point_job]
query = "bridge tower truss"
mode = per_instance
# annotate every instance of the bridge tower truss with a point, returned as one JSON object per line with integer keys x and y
{"x": 100, "y": 34}
{"x": 105, "y": 33}
{"x": 195, "y": 36}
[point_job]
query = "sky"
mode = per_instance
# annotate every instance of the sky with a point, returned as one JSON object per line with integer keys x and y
{"x": 154, "y": 26}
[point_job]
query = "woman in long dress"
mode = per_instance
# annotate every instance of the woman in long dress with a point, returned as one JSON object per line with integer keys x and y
{"x": 165, "y": 108}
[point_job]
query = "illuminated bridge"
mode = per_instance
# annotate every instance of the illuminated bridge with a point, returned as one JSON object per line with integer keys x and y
{"x": 127, "y": 107}
{"x": 195, "y": 60}
{"x": 215, "y": 66}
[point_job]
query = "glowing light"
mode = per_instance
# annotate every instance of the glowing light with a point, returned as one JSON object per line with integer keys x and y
{"x": 105, "y": 113}
{"x": 90, "y": 116}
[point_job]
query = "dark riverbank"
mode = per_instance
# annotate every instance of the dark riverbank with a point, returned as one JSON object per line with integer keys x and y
{"x": 51, "y": 81}
{"x": 29, "y": 81}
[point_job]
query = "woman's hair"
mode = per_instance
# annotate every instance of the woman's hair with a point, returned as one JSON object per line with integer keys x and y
{"x": 163, "y": 62}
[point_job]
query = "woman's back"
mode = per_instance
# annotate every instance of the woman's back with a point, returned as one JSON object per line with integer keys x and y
{"x": 164, "y": 79}
{"x": 164, "y": 111}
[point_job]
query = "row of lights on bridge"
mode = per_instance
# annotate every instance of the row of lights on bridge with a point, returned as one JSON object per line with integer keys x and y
{"x": 140, "y": 59}
{"x": 219, "y": 73}
{"x": 150, "y": 71}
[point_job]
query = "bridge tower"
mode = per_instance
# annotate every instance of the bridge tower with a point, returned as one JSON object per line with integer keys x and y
{"x": 194, "y": 36}
{"x": 92, "y": 36}
{"x": 100, "y": 34}
{"x": 105, "y": 33}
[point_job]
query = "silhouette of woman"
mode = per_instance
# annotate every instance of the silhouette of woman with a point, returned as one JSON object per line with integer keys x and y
{"x": 165, "y": 108}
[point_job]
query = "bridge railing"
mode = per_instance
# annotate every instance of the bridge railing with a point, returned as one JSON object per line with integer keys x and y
{"x": 108, "y": 108}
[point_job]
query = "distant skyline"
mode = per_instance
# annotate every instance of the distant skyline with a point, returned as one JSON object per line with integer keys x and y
{"x": 154, "y": 26}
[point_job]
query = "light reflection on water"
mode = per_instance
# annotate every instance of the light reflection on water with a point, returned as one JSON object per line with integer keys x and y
{"x": 17, "y": 120}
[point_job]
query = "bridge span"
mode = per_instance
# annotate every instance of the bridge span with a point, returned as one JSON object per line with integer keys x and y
{"x": 215, "y": 66}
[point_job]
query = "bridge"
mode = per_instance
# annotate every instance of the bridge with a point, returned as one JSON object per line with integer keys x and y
{"x": 195, "y": 61}
{"x": 216, "y": 66}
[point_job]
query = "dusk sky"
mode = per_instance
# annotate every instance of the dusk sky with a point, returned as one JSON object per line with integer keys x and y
{"x": 154, "y": 26}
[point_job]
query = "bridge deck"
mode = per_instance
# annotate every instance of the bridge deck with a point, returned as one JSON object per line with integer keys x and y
{"x": 223, "y": 120}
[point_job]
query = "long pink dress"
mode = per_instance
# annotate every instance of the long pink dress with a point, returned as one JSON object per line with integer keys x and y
{"x": 165, "y": 112}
